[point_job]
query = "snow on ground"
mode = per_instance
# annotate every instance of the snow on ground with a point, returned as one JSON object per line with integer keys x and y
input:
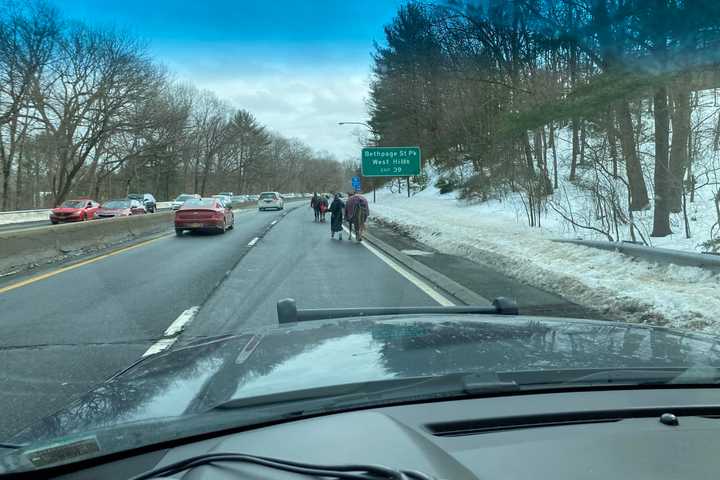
{"x": 496, "y": 234}
{"x": 6, "y": 218}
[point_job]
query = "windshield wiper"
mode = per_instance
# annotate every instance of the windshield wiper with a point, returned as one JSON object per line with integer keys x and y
{"x": 373, "y": 392}
{"x": 288, "y": 312}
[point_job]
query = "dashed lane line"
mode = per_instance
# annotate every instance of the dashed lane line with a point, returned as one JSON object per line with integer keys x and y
{"x": 171, "y": 333}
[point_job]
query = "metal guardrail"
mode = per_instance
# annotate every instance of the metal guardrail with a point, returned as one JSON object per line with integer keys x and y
{"x": 663, "y": 256}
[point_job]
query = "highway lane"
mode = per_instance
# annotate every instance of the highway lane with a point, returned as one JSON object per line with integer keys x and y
{"x": 298, "y": 259}
{"x": 29, "y": 225}
{"x": 62, "y": 335}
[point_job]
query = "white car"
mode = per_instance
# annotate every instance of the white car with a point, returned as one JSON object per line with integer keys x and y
{"x": 270, "y": 200}
{"x": 180, "y": 200}
{"x": 225, "y": 199}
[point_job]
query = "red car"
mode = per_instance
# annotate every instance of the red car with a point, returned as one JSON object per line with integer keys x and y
{"x": 204, "y": 214}
{"x": 120, "y": 208}
{"x": 74, "y": 211}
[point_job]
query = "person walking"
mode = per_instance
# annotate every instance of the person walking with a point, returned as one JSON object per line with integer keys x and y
{"x": 315, "y": 205}
{"x": 336, "y": 216}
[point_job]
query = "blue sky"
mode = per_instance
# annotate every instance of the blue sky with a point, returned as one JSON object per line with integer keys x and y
{"x": 299, "y": 66}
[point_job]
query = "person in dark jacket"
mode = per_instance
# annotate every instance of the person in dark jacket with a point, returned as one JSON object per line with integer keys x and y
{"x": 336, "y": 210}
{"x": 315, "y": 205}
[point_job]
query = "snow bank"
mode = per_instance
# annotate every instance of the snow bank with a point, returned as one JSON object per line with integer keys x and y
{"x": 494, "y": 233}
{"x": 17, "y": 217}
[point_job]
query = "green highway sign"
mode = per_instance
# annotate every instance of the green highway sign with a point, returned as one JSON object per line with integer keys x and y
{"x": 390, "y": 161}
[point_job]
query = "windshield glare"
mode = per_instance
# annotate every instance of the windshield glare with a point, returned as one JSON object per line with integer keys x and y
{"x": 200, "y": 202}
{"x": 73, "y": 204}
{"x": 525, "y": 190}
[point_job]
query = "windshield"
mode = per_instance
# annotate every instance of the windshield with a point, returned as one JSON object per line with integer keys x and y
{"x": 117, "y": 204}
{"x": 552, "y": 162}
{"x": 73, "y": 204}
{"x": 200, "y": 202}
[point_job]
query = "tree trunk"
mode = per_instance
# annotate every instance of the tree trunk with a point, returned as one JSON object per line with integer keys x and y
{"x": 19, "y": 183}
{"x": 612, "y": 142}
{"x": 575, "y": 148}
{"x": 537, "y": 144}
{"x": 679, "y": 149}
{"x": 6, "y": 186}
{"x": 661, "y": 214}
{"x": 554, "y": 153}
{"x": 528, "y": 155}
{"x": 638, "y": 191}
{"x": 690, "y": 173}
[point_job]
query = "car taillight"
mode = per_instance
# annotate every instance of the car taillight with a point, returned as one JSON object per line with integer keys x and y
{"x": 218, "y": 215}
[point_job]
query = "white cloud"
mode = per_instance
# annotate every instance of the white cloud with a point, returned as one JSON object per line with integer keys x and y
{"x": 305, "y": 101}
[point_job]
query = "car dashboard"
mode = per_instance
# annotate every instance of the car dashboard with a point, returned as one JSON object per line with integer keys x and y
{"x": 597, "y": 434}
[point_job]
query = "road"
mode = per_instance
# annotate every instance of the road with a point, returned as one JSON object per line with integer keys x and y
{"x": 28, "y": 225}
{"x": 69, "y": 328}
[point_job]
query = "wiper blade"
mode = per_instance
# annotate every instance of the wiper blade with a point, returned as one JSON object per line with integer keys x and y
{"x": 459, "y": 384}
{"x": 288, "y": 312}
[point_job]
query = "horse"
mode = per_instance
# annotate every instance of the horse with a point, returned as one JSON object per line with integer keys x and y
{"x": 358, "y": 221}
{"x": 323, "y": 209}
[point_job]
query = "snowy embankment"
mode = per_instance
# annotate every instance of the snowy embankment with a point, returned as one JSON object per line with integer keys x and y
{"x": 20, "y": 216}
{"x": 494, "y": 233}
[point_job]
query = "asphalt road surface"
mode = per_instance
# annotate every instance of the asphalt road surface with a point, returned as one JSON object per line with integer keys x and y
{"x": 76, "y": 325}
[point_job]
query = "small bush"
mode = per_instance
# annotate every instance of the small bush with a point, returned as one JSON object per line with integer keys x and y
{"x": 478, "y": 187}
{"x": 446, "y": 185}
{"x": 712, "y": 245}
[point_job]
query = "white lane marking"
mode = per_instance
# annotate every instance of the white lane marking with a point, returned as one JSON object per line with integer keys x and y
{"x": 159, "y": 346}
{"x": 421, "y": 284}
{"x": 172, "y": 331}
{"x": 253, "y": 241}
{"x": 416, "y": 253}
{"x": 180, "y": 322}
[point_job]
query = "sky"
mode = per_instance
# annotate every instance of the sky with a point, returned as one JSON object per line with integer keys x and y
{"x": 299, "y": 66}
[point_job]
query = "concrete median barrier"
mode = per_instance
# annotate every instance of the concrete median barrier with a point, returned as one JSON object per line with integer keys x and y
{"x": 20, "y": 249}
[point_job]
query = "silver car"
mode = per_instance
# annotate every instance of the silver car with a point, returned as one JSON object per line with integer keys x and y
{"x": 270, "y": 200}
{"x": 180, "y": 200}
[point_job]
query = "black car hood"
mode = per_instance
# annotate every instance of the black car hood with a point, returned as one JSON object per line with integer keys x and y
{"x": 197, "y": 377}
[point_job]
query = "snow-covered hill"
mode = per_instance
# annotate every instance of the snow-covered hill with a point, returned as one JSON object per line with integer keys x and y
{"x": 495, "y": 233}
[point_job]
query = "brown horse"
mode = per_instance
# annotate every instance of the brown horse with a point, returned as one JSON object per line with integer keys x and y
{"x": 358, "y": 222}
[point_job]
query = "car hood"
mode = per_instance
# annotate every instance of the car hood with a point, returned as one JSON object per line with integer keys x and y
{"x": 194, "y": 378}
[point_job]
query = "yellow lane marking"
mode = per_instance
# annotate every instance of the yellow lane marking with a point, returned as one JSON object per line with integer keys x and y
{"x": 52, "y": 273}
